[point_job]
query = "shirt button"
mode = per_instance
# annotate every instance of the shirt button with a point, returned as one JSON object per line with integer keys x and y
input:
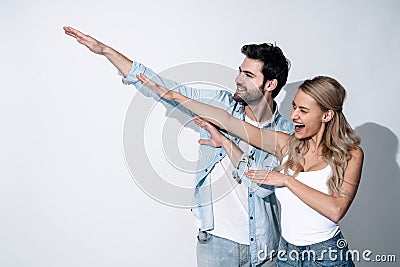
{"x": 251, "y": 239}
{"x": 206, "y": 170}
{"x": 251, "y": 195}
{"x": 220, "y": 154}
{"x": 251, "y": 217}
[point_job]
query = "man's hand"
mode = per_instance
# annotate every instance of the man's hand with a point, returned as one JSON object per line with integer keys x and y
{"x": 217, "y": 139}
{"x": 122, "y": 63}
{"x": 88, "y": 41}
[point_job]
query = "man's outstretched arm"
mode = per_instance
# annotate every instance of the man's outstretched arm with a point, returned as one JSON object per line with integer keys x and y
{"x": 130, "y": 70}
{"x": 121, "y": 62}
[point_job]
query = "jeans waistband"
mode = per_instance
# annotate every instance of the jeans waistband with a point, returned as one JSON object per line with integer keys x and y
{"x": 334, "y": 242}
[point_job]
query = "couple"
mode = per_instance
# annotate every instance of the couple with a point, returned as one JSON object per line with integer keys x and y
{"x": 315, "y": 184}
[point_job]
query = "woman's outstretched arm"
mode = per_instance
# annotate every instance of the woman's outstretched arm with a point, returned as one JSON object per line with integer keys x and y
{"x": 268, "y": 140}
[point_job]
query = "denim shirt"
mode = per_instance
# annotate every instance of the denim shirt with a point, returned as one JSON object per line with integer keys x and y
{"x": 262, "y": 203}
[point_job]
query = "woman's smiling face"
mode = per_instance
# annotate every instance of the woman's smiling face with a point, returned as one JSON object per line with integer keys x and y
{"x": 307, "y": 116}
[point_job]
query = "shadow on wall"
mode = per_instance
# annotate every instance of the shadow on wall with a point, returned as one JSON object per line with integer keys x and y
{"x": 373, "y": 219}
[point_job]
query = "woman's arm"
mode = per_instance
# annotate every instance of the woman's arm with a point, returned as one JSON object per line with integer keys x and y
{"x": 268, "y": 140}
{"x": 334, "y": 206}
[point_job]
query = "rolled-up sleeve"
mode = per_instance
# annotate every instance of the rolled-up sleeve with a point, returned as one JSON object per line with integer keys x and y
{"x": 138, "y": 68}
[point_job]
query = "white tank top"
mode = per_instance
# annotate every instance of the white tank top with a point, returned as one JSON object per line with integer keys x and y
{"x": 300, "y": 224}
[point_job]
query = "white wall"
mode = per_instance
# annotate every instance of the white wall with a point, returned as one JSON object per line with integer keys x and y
{"x": 66, "y": 195}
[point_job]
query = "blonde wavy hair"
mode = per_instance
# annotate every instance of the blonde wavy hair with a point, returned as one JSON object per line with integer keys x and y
{"x": 338, "y": 138}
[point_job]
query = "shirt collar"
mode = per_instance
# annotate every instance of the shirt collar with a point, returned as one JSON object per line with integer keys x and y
{"x": 239, "y": 110}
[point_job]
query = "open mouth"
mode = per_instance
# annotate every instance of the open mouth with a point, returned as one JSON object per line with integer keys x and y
{"x": 298, "y": 126}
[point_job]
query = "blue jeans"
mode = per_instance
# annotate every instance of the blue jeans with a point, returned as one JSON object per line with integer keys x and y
{"x": 214, "y": 251}
{"x": 332, "y": 252}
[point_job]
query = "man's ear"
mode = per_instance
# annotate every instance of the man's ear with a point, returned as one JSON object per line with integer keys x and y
{"x": 270, "y": 85}
{"x": 328, "y": 115}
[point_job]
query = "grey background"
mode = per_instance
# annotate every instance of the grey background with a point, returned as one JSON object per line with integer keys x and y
{"x": 66, "y": 195}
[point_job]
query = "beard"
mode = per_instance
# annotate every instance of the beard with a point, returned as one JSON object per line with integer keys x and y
{"x": 248, "y": 98}
{"x": 238, "y": 98}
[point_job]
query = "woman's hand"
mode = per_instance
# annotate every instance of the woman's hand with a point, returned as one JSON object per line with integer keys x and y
{"x": 160, "y": 90}
{"x": 268, "y": 177}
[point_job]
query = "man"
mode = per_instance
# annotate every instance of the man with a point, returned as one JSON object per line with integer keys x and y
{"x": 242, "y": 227}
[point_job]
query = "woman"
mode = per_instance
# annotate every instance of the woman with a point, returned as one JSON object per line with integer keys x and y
{"x": 320, "y": 171}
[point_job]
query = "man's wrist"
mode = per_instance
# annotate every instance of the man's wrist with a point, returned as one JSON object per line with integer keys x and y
{"x": 106, "y": 50}
{"x": 226, "y": 143}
